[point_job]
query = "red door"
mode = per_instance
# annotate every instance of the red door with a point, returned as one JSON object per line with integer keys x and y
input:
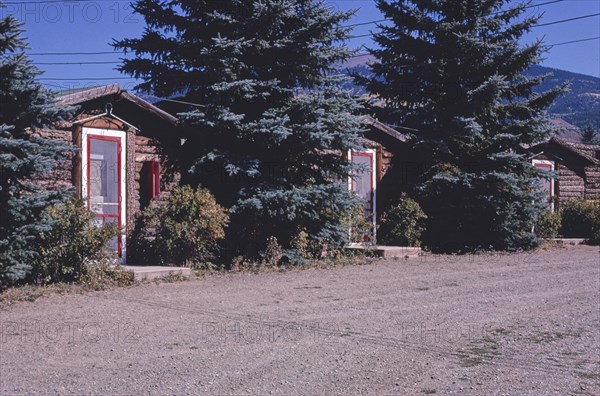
{"x": 363, "y": 184}
{"x": 104, "y": 182}
{"x": 546, "y": 185}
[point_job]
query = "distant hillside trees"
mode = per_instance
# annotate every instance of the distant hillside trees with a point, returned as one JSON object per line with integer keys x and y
{"x": 454, "y": 70}
{"x": 268, "y": 127}
{"x": 589, "y": 135}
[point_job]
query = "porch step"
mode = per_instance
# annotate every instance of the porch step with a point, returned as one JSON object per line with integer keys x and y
{"x": 153, "y": 272}
{"x": 569, "y": 241}
{"x": 387, "y": 251}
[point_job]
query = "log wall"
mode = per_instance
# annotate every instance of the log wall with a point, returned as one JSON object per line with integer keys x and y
{"x": 62, "y": 175}
{"x": 592, "y": 185}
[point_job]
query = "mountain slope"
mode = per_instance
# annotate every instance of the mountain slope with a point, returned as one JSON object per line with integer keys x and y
{"x": 580, "y": 106}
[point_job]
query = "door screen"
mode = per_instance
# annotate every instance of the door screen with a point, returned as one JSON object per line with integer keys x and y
{"x": 104, "y": 178}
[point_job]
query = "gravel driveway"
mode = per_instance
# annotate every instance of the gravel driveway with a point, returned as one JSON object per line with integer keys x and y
{"x": 481, "y": 325}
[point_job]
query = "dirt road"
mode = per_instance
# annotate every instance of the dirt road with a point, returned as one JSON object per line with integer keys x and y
{"x": 481, "y": 325}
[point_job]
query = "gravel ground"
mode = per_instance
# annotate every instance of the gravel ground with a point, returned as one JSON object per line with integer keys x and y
{"x": 492, "y": 324}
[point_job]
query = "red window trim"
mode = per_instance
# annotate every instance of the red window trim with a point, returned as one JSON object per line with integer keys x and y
{"x": 89, "y": 157}
{"x": 550, "y": 168}
{"x": 154, "y": 179}
{"x": 371, "y": 170}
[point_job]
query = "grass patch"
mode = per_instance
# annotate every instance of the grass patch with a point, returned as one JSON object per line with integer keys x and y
{"x": 588, "y": 375}
{"x": 96, "y": 277}
{"x": 502, "y": 331}
{"x": 171, "y": 278}
{"x": 33, "y": 292}
{"x": 550, "y": 336}
{"x": 479, "y": 352}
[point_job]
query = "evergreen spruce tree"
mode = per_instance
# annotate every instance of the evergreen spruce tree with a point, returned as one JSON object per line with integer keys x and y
{"x": 589, "y": 136}
{"x": 268, "y": 128}
{"x": 453, "y": 69}
{"x": 24, "y": 106}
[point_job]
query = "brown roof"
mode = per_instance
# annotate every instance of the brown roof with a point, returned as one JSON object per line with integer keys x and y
{"x": 386, "y": 129}
{"x": 74, "y": 98}
{"x": 588, "y": 151}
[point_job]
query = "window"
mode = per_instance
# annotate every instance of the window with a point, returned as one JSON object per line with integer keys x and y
{"x": 149, "y": 182}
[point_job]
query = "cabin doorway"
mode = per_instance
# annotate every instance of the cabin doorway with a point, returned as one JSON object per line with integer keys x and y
{"x": 546, "y": 185}
{"x": 104, "y": 180}
{"x": 363, "y": 184}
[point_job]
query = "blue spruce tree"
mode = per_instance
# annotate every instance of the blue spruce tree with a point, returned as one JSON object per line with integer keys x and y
{"x": 453, "y": 69}
{"x": 268, "y": 127}
{"x": 24, "y": 106}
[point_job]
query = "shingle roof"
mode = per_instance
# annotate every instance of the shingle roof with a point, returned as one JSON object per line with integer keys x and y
{"x": 588, "y": 151}
{"x": 70, "y": 98}
{"x": 386, "y": 129}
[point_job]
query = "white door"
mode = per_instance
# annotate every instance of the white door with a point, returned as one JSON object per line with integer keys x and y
{"x": 104, "y": 179}
{"x": 546, "y": 185}
{"x": 364, "y": 183}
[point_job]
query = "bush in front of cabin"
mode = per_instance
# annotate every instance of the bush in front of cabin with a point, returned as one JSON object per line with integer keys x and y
{"x": 581, "y": 219}
{"x": 183, "y": 230}
{"x": 402, "y": 224}
{"x": 548, "y": 224}
{"x": 578, "y": 218}
{"x": 72, "y": 242}
{"x": 359, "y": 223}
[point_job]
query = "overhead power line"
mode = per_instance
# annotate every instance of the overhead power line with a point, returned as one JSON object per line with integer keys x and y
{"x": 169, "y": 100}
{"x": 547, "y": 45}
{"x": 84, "y": 78}
{"x": 79, "y": 63}
{"x": 62, "y": 1}
{"x": 73, "y": 53}
{"x": 494, "y": 13}
{"x": 566, "y": 20}
{"x": 533, "y": 26}
{"x": 574, "y": 41}
{"x": 351, "y": 57}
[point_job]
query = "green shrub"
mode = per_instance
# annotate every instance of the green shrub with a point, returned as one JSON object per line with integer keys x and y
{"x": 273, "y": 253}
{"x": 580, "y": 219}
{"x": 301, "y": 244}
{"x": 103, "y": 275}
{"x": 71, "y": 242}
{"x": 359, "y": 225}
{"x": 548, "y": 224}
{"x": 403, "y": 224}
{"x": 183, "y": 230}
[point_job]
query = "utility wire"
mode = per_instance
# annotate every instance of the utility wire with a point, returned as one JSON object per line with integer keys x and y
{"x": 566, "y": 20}
{"x": 61, "y": 1}
{"x": 349, "y": 37}
{"x": 350, "y": 57}
{"x": 73, "y": 53}
{"x": 493, "y": 13}
{"x": 574, "y": 41}
{"x": 547, "y": 45}
{"x": 78, "y": 63}
{"x": 533, "y": 26}
{"x": 169, "y": 100}
{"x": 85, "y": 78}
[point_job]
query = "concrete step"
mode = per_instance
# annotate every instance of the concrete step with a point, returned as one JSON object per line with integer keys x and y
{"x": 568, "y": 241}
{"x": 141, "y": 273}
{"x": 387, "y": 251}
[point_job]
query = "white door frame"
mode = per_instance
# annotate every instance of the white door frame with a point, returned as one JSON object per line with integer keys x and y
{"x": 373, "y": 154}
{"x": 122, "y": 136}
{"x": 547, "y": 164}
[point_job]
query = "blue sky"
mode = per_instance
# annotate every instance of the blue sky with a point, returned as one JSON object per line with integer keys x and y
{"x": 89, "y": 26}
